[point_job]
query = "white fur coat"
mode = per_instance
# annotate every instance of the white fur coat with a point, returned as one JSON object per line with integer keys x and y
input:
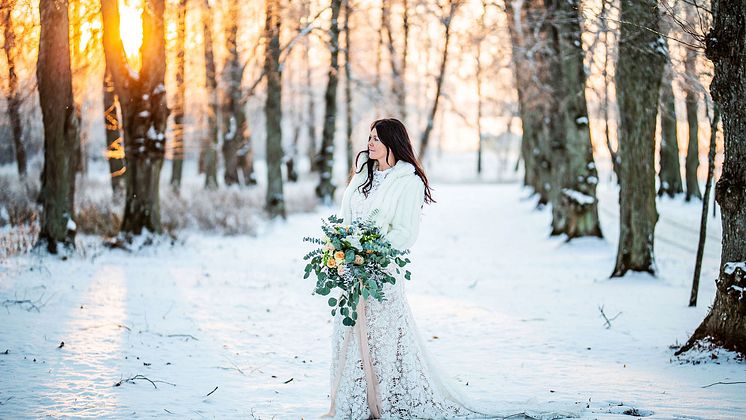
{"x": 399, "y": 200}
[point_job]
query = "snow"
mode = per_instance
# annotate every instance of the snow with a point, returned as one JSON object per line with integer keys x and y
{"x": 144, "y": 114}
{"x": 581, "y": 120}
{"x": 730, "y": 267}
{"x": 71, "y": 224}
{"x": 506, "y": 309}
{"x": 152, "y": 134}
{"x": 578, "y": 197}
{"x": 232, "y": 128}
{"x": 160, "y": 88}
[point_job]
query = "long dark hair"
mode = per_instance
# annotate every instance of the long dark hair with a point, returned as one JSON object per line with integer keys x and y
{"x": 395, "y": 138}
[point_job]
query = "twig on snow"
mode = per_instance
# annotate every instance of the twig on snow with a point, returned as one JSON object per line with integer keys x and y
{"x": 144, "y": 378}
{"x": 724, "y": 383}
{"x": 210, "y": 393}
{"x": 607, "y": 320}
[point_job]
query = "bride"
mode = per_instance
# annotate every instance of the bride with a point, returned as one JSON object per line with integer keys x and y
{"x": 380, "y": 367}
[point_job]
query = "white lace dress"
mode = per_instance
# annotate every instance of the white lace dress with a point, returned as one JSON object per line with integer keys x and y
{"x": 402, "y": 375}
{"x": 404, "y": 381}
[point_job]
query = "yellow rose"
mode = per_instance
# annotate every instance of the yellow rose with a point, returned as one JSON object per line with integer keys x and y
{"x": 339, "y": 255}
{"x": 359, "y": 259}
{"x": 331, "y": 263}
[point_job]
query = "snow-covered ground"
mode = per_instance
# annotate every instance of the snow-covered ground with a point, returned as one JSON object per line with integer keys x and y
{"x": 504, "y": 308}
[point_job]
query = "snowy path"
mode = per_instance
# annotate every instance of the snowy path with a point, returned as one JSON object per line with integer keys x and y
{"x": 515, "y": 315}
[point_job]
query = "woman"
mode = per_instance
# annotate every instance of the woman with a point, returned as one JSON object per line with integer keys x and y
{"x": 380, "y": 368}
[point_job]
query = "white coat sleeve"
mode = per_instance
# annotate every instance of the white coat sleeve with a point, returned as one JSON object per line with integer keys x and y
{"x": 405, "y": 225}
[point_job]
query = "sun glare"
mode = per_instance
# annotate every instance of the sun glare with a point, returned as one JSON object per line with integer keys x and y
{"x": 130, "y": 28}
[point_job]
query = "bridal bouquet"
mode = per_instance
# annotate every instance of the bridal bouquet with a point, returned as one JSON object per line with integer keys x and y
{"x": 354, "y": 259}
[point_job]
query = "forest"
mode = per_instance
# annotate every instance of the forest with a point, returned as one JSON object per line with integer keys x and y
{"x": 600, "y": 143}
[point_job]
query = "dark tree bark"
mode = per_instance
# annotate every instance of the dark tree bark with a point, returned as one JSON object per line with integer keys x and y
{"x": 575, "y": 206}
{"x": 692, "y": 109}
{"x": 325, "y": 189}
{"x": 348, "y": 90}
{"x": 177, "y": 161}
{"x": 114, "y": 137}
{"x": 61, "y": 137}
{"x": 725, "y": 324}
{"x": 142, "y": 97}
{"x": 453, "y": 6}
{"x": 705, "y": 205}
{"x": 275, "y": 205}
{"x": 13, "y": 96}
{"x": 210, "y": 144}
{"x": 670, "y": 173}
{"x": 237, "y": 150}
{"x": 526, "y": 23}
{"x": 642, "y": 55}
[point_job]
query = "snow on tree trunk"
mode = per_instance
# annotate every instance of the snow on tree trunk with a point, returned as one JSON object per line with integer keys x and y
{"x": 177, "y": 161}
{"x": 114, "y": 136}
{"x": 275, "y": 205}
{"x": 61, "y": 138}
{"x": 13, "y": 97}
{"x": 237, "y": 150}
{"x": 325, "y": 189}
{"x": 725, "y": 324}
{"x": 670, "y": 172}
{"x": 210, "y": 144}
{"x": 142, "y": 99}
{"x": 575, "y": 203}
{"x": 642, "y": 55}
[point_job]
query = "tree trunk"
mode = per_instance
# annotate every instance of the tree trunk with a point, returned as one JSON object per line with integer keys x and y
{"x": 275, "y": 205}
{"x": 642, "y": 55}
{"x": 310, "y": 114}
{"x": 61, "y": 138}
{"x": 348, "y": 90}
{"x": 577, "y": 176}
{"x": 177, "y": 161}
{"x": 525, "y": 23}
{"x": 237, "y": 150}
{"x": 13, "y": 97}
{"x": 670, "y": 173}
{"x": 725, "y": 324}
{"x": 142, "y": 98}
{"x": 211, "y": 83}
{"x": 692, "y": 109}
{"x": 478, "y": 59}
{"x": 114, "y": 137}
{"x": 398, "y": 69}
{"x": 325, "y": 189}
{"x": 705, "y": 204}
{"x": 453, "y": 7}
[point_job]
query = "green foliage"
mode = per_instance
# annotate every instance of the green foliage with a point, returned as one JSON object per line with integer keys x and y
{"x": 362, "y": 270}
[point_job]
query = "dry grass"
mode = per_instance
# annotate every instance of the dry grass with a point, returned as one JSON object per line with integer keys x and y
{"x": 226, "y": 211}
